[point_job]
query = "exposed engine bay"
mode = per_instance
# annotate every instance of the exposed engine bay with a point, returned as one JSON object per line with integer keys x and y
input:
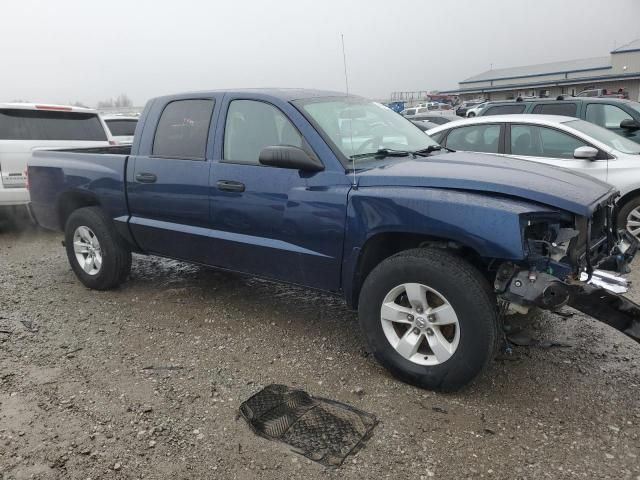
{"x": 570, "y": 261}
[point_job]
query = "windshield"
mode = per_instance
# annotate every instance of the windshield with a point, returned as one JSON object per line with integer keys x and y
{"x": 605, "y": 136}
{"x": 360, "y": 128}
{"x": 634, "y": 105}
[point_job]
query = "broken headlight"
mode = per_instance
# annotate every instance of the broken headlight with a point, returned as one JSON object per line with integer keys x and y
{"x": 548, "y": 236}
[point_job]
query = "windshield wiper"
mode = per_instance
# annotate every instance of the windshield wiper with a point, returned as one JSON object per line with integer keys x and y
{"x": 426, "y": 151}
{"x": 391, "y": 152}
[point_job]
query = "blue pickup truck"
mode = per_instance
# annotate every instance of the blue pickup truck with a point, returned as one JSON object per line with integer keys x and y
{"x": 341, "y": 194}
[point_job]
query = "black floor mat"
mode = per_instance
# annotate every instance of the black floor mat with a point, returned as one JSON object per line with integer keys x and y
{"x": 323, "y": 430}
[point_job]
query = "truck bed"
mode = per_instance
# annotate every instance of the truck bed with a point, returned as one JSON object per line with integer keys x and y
{"x": 58, "y": 178}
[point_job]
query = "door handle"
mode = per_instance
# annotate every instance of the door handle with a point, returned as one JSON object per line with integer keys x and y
{"x": 230, "y": 186}
{"x": 146, "y": 177}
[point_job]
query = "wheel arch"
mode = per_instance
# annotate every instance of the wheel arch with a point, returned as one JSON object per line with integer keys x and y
{"x": 383, "y": 245}
{"x": 73, "y": 200}
{"x": 627, "y": 197}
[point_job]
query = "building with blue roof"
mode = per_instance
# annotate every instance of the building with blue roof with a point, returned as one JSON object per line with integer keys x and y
{"x": 618, "y": 72}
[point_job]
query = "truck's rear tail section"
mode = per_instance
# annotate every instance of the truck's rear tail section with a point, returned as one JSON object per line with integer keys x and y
{"x": 61, "y": 181}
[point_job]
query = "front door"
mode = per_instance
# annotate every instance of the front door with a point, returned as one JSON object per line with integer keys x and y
{"x": 552, "y": 146}
{"x": 610, "y": 116}
{"x": 274, "y": 222}
{"x": 168, "y": 188}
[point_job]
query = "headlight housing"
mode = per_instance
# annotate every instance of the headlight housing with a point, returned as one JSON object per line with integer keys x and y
{"x": 549, "y": 237}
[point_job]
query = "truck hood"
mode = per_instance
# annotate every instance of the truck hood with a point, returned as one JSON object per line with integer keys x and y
{"x": 557, "y": 187}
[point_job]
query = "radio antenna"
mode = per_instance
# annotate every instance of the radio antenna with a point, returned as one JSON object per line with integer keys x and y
{"x": 346, "y": 83}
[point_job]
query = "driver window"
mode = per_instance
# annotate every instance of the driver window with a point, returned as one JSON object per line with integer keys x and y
{"x": 252, "y": 125}
{"x": 607, "y": 116}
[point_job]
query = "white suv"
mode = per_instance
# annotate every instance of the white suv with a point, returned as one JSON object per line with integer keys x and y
{"x": 25, "y": 127}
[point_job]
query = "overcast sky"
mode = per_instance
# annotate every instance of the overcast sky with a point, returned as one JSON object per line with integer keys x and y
{"x": 88, "y": 50}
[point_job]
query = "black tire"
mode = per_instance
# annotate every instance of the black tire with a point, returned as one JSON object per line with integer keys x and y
{"x": 116, "y": 256}
{"x": 466, "y": 290}
{"x": 625, "y": 210}
{"x": 471, "y": 115}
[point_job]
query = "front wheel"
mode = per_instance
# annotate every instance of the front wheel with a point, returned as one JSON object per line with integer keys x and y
{"x": 430, "y": 318}
{"x": 629, "y": 217}
{"x": 471, "y": 114}
{"x": 97, "y": 254}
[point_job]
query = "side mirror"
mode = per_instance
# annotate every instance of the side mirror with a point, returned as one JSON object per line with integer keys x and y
{"x": 630, "y": 124}
{"x": 588, "y": 153}
{"x": 287, "y": 156}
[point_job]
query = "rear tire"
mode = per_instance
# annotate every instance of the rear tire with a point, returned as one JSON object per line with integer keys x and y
{"x": 464, "y": 331}
{"x": 630, "y": 212}
{"x": 99, "y": 257}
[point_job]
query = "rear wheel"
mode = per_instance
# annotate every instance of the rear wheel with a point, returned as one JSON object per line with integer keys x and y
{"x": 98, "y": 256}
{"x": 430, "y": 318}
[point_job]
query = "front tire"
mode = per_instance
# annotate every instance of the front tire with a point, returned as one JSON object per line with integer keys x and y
{"x": 629, "y": 217}
{"x": 97, "y": 254}
{"x": 430, "y": 318}
{"x": 471, "y": 115}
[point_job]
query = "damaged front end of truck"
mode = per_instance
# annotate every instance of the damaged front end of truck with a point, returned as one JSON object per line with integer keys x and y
{"x": 573, "y": 260}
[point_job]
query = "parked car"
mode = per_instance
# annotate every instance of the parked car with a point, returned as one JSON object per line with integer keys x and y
{"x": 618, "y": 115}
{"x": 25, "y": 127}
{"x": 264, "y": 183}
{"x": 473, "y": 111}
{"x": 561, "y": 141}
{"x": 461, "y": 111}
{"x": 122, "y": 127}
{"x": 603, "y": 92}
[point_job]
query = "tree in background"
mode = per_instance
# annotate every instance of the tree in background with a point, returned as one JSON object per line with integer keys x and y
{"x": 121, "y": 101}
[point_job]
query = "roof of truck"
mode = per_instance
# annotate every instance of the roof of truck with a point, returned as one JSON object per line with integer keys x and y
{"x": 287, "y": 94}
{"x": 44, "y": 106}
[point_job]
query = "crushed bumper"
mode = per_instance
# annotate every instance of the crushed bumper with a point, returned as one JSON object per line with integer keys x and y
{"x": 599, "y": 299}
{"x": 608, "y": 307}
{"x": 596, "y": 294}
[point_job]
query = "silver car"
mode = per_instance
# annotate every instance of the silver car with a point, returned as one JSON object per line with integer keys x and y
{"x": 556, "y": 140}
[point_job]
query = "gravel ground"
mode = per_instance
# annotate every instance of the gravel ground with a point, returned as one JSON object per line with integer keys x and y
{"x": 146, "y": 381}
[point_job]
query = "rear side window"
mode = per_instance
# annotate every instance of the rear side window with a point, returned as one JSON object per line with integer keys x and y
{"x": 18, "y": 124}
{"x": 183, "y": 129}
{"x": 122, "y": 128}
{"x": 504, "y": 109}
{"x": 475, "y": 138}
{"x": 567, "y": 109}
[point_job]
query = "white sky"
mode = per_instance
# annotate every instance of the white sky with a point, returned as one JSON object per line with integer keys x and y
{"x": 88, "y": 50}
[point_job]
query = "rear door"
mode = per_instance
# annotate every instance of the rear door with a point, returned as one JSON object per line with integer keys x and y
{"x": 168, "y": 179}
